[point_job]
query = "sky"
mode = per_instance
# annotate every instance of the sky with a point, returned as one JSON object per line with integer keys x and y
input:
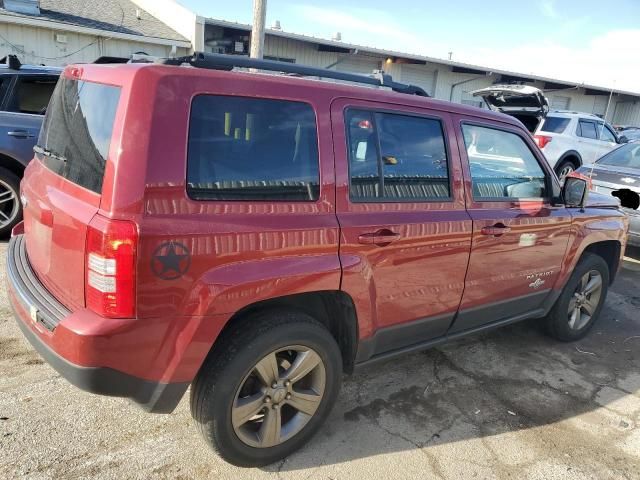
{"x": 584, "y": 41}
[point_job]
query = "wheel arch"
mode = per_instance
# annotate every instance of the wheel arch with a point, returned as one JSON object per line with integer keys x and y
{"x": 569, "y": 155}
{"x": 332, "y": 308}
{"x": 610, "y": 252}
{"x": 13, "y": 165}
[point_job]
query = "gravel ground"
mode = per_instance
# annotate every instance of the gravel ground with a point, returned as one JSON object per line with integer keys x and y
{"x": 508, "y": 404}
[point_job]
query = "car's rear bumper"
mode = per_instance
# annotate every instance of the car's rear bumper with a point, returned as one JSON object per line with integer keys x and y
{"x": 42, "y": 321}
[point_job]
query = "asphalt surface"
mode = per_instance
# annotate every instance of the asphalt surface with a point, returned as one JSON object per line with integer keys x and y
{"x": 507, "y": 404}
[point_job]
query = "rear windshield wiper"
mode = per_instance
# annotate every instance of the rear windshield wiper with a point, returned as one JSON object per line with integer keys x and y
{"x": 49, "y": 154}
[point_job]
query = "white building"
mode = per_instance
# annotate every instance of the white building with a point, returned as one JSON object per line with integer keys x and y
{"x": 60, "y": 32}
{"x": 67, "y": 31}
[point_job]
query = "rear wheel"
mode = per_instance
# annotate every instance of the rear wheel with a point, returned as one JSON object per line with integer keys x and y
{"x": 565, "y": 168}
{"x": 267, "y": 388}
{"x": 10, "y": 206}
{"x": 581, "y": 301}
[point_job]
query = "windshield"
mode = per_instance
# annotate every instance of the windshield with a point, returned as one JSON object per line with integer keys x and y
{"x": 76, "y": 134}
{"x": 626, "y": 156}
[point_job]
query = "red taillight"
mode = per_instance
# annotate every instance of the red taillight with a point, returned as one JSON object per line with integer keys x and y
{"x": 110, "y": 280}
{"x": 542, "y": 140}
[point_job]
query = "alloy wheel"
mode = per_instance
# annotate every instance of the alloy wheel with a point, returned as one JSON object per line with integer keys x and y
{"x": 9, "y": 206}
{"x": 279, "y": 396}
{"x": 585, "y": 300}
{"x": 566, "y": 170}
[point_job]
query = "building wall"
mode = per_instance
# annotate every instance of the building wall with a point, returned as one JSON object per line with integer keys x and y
{"x": 443, "y": 84}
{"x": 37, "y": 45}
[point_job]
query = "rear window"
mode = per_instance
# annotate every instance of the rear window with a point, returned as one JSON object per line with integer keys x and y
{"x": 555, "y": 124}
{"x": 252, "y": 149}
{"x": 76, "y": 134}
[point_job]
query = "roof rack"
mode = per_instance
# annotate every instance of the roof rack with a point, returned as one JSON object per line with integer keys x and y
{"x": 216, "y": 61}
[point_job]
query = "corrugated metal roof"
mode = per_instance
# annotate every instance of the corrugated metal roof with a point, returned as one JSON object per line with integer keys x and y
{"x": 410, "y": 56}
{"x": 118, "y": 16}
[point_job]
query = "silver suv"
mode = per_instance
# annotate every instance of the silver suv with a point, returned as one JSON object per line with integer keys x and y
{"x": 567, "y": 139}
{"x": 24, "y": 95}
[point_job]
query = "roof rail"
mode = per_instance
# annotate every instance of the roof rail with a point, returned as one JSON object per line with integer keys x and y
{"x": 216, "y": 61}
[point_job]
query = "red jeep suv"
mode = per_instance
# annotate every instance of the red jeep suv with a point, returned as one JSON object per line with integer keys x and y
{"x": 254, "y": 235}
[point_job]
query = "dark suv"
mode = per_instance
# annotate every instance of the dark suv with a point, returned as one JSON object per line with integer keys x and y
{"x": 24, "y": 94}
{"x": 254, "y": 236}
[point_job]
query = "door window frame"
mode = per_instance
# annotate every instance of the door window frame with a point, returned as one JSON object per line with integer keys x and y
{"x": 13, "y": 90}
{"x": 579, "y": 128}
{"x": 6, "y": 94}
{"x": 472, "y": 201}
{"x": 605, "y": 127}
{"x": 548, "y": 182}
{"x": 426, "y": 116}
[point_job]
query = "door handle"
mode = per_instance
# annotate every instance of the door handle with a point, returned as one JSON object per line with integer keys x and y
{"x": 381, "y": 238}
{"x": 496, "y": 230}
{"x": 20, "y": 134}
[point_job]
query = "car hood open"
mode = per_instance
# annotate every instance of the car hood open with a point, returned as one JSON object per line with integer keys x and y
{"x": 511, "y": 99}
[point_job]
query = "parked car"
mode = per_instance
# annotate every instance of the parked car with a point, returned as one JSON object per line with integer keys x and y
{"x": 255, "y": 236}
{"x": 24, "y": 94}
{"x": 568, "y": 139}
{"x": 630, "y": 134}
{"x": 618, "y": 174}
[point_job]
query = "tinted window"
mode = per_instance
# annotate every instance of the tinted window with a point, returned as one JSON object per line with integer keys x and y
{"x": 76, "y": 133}
{"x": 31, "y": 94}
{"x": 605, "y": 134}
{"x": 4, "y": 86}
{"x": 396, "y": 157}
{"x": 587, "y": 129}
{"x": 625, "y": 156}
{"x": 502, "y": 165}
{"x": 252, "y": 149}
{"x": 555, "y": 124}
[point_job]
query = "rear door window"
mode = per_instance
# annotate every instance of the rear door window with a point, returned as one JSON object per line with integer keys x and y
{"x": 31, "y": 94}
{"x": 502, "y": 165}
{"x": 252, "y": 149}
{"x": 555, "y": 124}
{"x": 395, "y": 157}
{"x": 76, "y": 134}
{"x": 587, "y": 129}
{"x": 5, "y": 82}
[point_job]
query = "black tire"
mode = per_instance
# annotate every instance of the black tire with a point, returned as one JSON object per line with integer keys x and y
{"x": 10, "y": 181}
{"x": 558, "y": 320}
{"x": 214, "y": 390}
{"x": 565, "y": 164}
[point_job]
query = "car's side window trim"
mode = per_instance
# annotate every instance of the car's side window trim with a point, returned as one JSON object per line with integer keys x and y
{"x": 591, "y": 122}
{"x": 194, "y": 196}
{"x": 4, "y": 100}
{"x": 547, "y": 178}
{"x": 15, "y": 85}
{"x": 602, "y": 126}
{"x": 426, "y": 116}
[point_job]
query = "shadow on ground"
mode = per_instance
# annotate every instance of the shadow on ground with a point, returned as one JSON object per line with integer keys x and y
{"x": 484, "y": 390}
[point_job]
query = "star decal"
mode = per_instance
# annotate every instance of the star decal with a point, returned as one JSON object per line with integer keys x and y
{"x": 170, "y": 261}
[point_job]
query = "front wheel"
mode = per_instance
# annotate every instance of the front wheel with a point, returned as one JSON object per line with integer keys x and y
{"x": 581, "y": 301}
{"x": 267, "y": 388}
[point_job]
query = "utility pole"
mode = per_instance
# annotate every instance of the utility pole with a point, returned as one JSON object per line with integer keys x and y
{"x": 257, "y": 31}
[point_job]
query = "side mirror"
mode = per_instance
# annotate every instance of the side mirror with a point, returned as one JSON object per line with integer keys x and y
{"x": 623, "y": 139}
{"x": 575, "y": 191}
